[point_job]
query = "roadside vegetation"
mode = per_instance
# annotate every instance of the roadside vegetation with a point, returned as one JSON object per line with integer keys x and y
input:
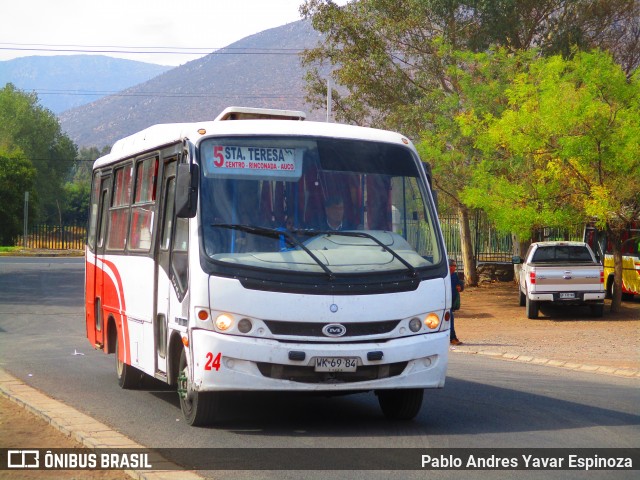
{"x": 527, "y": 110}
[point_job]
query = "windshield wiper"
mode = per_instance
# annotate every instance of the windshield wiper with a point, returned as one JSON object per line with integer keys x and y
{"x": 275, "y": 233}
{"x": 412, "y": 270}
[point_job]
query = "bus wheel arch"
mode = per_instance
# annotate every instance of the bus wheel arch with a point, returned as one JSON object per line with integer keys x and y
{"x": 173, "y": 367}
{"x": 112, "y": 335}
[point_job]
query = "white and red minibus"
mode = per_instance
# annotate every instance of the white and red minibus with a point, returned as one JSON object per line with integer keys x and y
{"x": 261, "y": 252}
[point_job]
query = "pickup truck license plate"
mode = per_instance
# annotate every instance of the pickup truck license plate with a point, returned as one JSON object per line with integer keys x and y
{"x": 567, "y": 295}
{"x": 336, "y": 364}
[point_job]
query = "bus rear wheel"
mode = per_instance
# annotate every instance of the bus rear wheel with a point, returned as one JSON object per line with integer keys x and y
{"x": 402, "y": 404}
{"x": 128, "y": 377}
{"x": 198, "y": 408}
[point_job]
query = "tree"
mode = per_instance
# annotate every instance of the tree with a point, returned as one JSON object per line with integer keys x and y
{"x": 34, "y": 130}
{"x": 481, "y": 81}
{"x": 16, "y": 177}
{"x": 549, "y": 162}
{"x": 386, "y": 53}
{"x": 77, "y": 191}
{"x": 390, "y": 70}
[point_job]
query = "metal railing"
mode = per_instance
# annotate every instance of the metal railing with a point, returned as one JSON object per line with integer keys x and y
{"x": 54, "y": 237}
{"x": 492, "y": 246}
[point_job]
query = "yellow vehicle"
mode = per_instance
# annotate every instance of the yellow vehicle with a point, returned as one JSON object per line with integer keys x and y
{"x": 603, "y": 248}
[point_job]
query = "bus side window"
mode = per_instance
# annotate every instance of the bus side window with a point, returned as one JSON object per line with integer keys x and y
{"x": 179, "y": 255}
{"x": 103, "y": 218}
{"x": 93, "y": 212}
{"x": 119, "y": 214}
{"x": 141, "y": 232}
{"x": 168, "y": 215}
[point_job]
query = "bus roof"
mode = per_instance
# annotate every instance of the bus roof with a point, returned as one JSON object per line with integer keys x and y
{"x": 158, "y": 136}
{"x": 251, "y": 113}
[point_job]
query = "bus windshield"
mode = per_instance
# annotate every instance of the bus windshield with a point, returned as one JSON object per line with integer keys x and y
{"x": 315, "y": 205}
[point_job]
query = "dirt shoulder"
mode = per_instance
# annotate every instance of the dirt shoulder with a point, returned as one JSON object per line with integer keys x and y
{"x": 22, "y": 429}
{"x": 490, "y": 319}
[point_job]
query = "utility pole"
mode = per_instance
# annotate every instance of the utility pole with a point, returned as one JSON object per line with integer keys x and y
{"x": 26, "y": 219}
{"x": 329, "y": 88}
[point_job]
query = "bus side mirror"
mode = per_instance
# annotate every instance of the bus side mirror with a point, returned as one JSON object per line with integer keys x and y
{"x": 187, "y": 190}
{"x": 516, "y": 260}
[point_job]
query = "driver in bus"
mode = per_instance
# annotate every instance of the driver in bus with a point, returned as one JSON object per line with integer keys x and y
{"x": 334, "y": 211}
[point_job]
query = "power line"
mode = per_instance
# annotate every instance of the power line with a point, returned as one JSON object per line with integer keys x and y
{"x": 45, "y": 91}
{"x": 39, "y": 47}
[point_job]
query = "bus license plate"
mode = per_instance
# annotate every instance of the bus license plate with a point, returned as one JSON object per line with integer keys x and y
{"x": 336, "y": 364}
{"x": 568, "y": 295}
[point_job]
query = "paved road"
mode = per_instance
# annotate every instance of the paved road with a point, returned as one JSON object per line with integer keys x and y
{"x": 486, "y": 402}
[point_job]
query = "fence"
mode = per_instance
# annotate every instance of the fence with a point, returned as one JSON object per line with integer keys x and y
{"x": 55, "y": 237}
{"x": 488, "y": 244}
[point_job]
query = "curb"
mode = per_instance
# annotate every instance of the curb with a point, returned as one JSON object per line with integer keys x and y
{"x": 43, "y": 253}
{"x": 514, "y": 357}
{"x": 84, "y": 429}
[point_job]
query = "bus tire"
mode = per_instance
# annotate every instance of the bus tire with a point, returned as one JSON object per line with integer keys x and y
{"x": 128, "y": 377}
{"x": 402, "y": 404}
{"x": 532, "y": 308}
{"x": 198, "y": 408}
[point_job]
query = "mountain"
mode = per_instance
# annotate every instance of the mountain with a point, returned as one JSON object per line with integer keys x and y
{"x": 262, "y": 70}
{"x": 68, "y": 81}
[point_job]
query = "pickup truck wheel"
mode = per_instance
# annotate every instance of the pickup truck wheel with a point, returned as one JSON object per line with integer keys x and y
{"x": 523, "y": 299}
{"x": 532, "y": 308}
{"x": 597, "y": 310}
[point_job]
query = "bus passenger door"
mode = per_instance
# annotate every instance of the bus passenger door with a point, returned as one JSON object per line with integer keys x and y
{"x": 95, "y": 277}
{"x": 161, "y": 320}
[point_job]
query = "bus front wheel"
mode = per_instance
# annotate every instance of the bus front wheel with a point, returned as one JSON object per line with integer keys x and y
{"x": 198, "y": 408}
{"x": 402, "y": 404}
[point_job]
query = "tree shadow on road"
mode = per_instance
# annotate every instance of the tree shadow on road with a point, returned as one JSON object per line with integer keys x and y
{"x": 451, "y": 411}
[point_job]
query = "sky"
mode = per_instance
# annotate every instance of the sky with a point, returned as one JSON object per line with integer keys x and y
{"x": 166, "y": 32}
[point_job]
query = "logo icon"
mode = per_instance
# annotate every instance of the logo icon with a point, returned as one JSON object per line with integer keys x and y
{"x": 334, "y": 330}
{"x": 23, "y": 459}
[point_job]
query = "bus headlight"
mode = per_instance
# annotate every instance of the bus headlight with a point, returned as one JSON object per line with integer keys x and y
{"x": 432, "y": 321}
{"x": 224, "y": 322}
{"x": 415, "y": 324}
{"x": 244, "y": 325}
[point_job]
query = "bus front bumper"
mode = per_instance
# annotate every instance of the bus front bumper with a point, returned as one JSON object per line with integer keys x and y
{"x": 233, "y": 363}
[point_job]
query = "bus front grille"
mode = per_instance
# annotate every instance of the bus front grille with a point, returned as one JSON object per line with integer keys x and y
{"x": 310, "y": 329}
{"x": 304, "y": 374}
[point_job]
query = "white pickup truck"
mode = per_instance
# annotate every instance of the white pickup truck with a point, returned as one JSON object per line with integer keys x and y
{"x": 564, "y": 273}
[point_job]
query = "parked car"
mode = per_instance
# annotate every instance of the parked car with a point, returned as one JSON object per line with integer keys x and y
{"x": 562, "y": 273}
